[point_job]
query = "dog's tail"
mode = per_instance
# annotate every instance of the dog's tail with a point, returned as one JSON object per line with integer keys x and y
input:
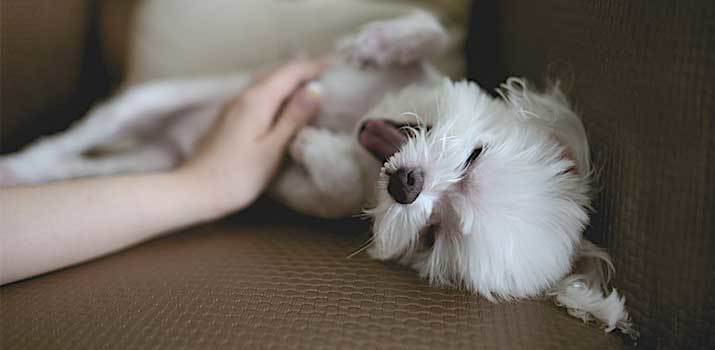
{"x": 585, "y": 294}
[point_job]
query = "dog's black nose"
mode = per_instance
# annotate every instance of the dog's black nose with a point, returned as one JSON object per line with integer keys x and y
{"x": 405, "y": 185}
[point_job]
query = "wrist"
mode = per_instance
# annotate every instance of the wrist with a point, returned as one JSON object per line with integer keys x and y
{"x": 210, "y": 198}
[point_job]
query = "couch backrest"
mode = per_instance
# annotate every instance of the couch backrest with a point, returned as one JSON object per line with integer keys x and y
{"x": 41, "y": 60}
{"x": 643, "y": 78}
{"x": 52, "y": 67}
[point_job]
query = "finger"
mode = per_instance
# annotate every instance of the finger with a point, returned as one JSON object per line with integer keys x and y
{"x": 323, "y": 62}
{"x": 268, "y": 97}
{"x": 282, "y": 82}
{"x": 299, "y": 110}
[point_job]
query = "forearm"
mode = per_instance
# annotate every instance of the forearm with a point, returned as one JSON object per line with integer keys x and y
{"x": 48, "y": 227}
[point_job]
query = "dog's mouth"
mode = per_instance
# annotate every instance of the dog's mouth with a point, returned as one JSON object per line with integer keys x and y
{"x": 383, "y": 138}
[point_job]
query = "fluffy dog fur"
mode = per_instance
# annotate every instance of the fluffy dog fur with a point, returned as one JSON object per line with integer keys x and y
{"x": 509, "y": 223}
{"x": 504, "y": 191}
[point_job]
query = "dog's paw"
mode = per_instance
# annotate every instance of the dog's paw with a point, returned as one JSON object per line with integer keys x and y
{"x": 313, "y": 147}
{"x": 371, "y": 47}
{"x": 31, "y": 166}
{"x": 8, "y": 178}
{"x": 20, "y": 169}
{"x": 395, "y": 42}
{"x": 23, "y": 169}
{"x": 302, "y": 143}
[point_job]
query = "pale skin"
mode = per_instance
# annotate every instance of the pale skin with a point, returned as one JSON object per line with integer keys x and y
{"x": 48, "y": 227}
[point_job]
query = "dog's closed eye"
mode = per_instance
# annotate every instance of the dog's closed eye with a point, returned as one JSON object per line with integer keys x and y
{"x": 428, "y": 236}
{"x": 472, "y": 156}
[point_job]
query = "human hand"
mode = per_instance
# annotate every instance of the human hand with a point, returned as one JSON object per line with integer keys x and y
{"x": 242, "y": 152}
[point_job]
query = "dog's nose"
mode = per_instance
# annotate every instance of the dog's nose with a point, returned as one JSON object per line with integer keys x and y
{"x": 405, "y": 185}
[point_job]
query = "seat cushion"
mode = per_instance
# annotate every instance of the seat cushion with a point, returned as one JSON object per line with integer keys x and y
{"x": 245, "y": 283}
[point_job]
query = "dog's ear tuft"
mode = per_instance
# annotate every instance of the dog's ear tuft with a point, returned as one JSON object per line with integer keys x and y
{"x": 568, "y": 154}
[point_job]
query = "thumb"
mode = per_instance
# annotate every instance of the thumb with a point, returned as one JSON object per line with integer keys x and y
{"x": 298, "y": 111}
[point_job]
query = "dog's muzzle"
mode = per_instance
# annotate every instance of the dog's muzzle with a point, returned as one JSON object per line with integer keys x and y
{"x": 382, "y": 139}
{"x": 405, "y": 185}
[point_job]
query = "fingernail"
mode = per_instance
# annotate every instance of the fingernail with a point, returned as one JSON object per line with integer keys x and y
{"x": 314, "y": 88}
{"x": 312, "y": 93}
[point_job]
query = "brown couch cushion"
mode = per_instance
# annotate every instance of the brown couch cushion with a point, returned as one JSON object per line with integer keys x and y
{"x": 252, "y": 284}
{"x": 644, "y": 80}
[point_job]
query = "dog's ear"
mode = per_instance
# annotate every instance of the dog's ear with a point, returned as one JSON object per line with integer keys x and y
{"x": 567, "y": 153}
{"x": 551, "y": 111}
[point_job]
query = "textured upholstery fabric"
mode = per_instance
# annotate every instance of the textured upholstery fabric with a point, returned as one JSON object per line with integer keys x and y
{"x": 643, "y": 77}
{"x": 281, "y": 285}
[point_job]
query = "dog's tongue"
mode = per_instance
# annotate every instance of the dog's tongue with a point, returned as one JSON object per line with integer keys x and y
{"x": 381, "y": 138}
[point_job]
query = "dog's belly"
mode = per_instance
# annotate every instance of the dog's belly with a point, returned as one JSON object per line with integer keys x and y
{"x": 350, "y": 92}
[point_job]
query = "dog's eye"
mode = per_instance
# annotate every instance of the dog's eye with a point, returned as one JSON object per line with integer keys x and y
{"x": 472, "y": 156}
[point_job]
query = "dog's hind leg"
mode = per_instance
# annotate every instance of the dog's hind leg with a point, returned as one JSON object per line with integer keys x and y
{"x": 400, "y": 41}
{"x": 137, "y": 108}
{"x": 154, "y": 157}
{"x": 325, "y": 178}
{"x": 130, "y": 113}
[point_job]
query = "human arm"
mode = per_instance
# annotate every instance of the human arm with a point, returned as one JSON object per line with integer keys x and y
{"x": 43, "y": 228}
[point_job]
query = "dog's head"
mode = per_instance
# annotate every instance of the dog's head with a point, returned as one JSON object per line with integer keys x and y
{"x": 490, "y": 194}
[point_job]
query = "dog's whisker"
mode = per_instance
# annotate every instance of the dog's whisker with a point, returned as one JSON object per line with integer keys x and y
{"x": 362, "y": 248}
{"x": 364, "y": 215}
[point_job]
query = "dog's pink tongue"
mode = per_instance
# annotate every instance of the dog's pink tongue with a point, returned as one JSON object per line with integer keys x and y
{"x": 382, "y": 139}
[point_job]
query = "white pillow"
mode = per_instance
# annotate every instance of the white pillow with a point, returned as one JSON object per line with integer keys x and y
{"x": 179, "y": 38}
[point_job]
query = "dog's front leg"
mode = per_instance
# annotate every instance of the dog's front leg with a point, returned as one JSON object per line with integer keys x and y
{"x": 400, "y": 41}
{"x": 324, "y": 178}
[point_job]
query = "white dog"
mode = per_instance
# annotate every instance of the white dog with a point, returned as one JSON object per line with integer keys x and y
{"x": 483, "y": 193}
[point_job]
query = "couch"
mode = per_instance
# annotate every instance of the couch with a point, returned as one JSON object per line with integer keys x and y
{"x": 640, "y": 72}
